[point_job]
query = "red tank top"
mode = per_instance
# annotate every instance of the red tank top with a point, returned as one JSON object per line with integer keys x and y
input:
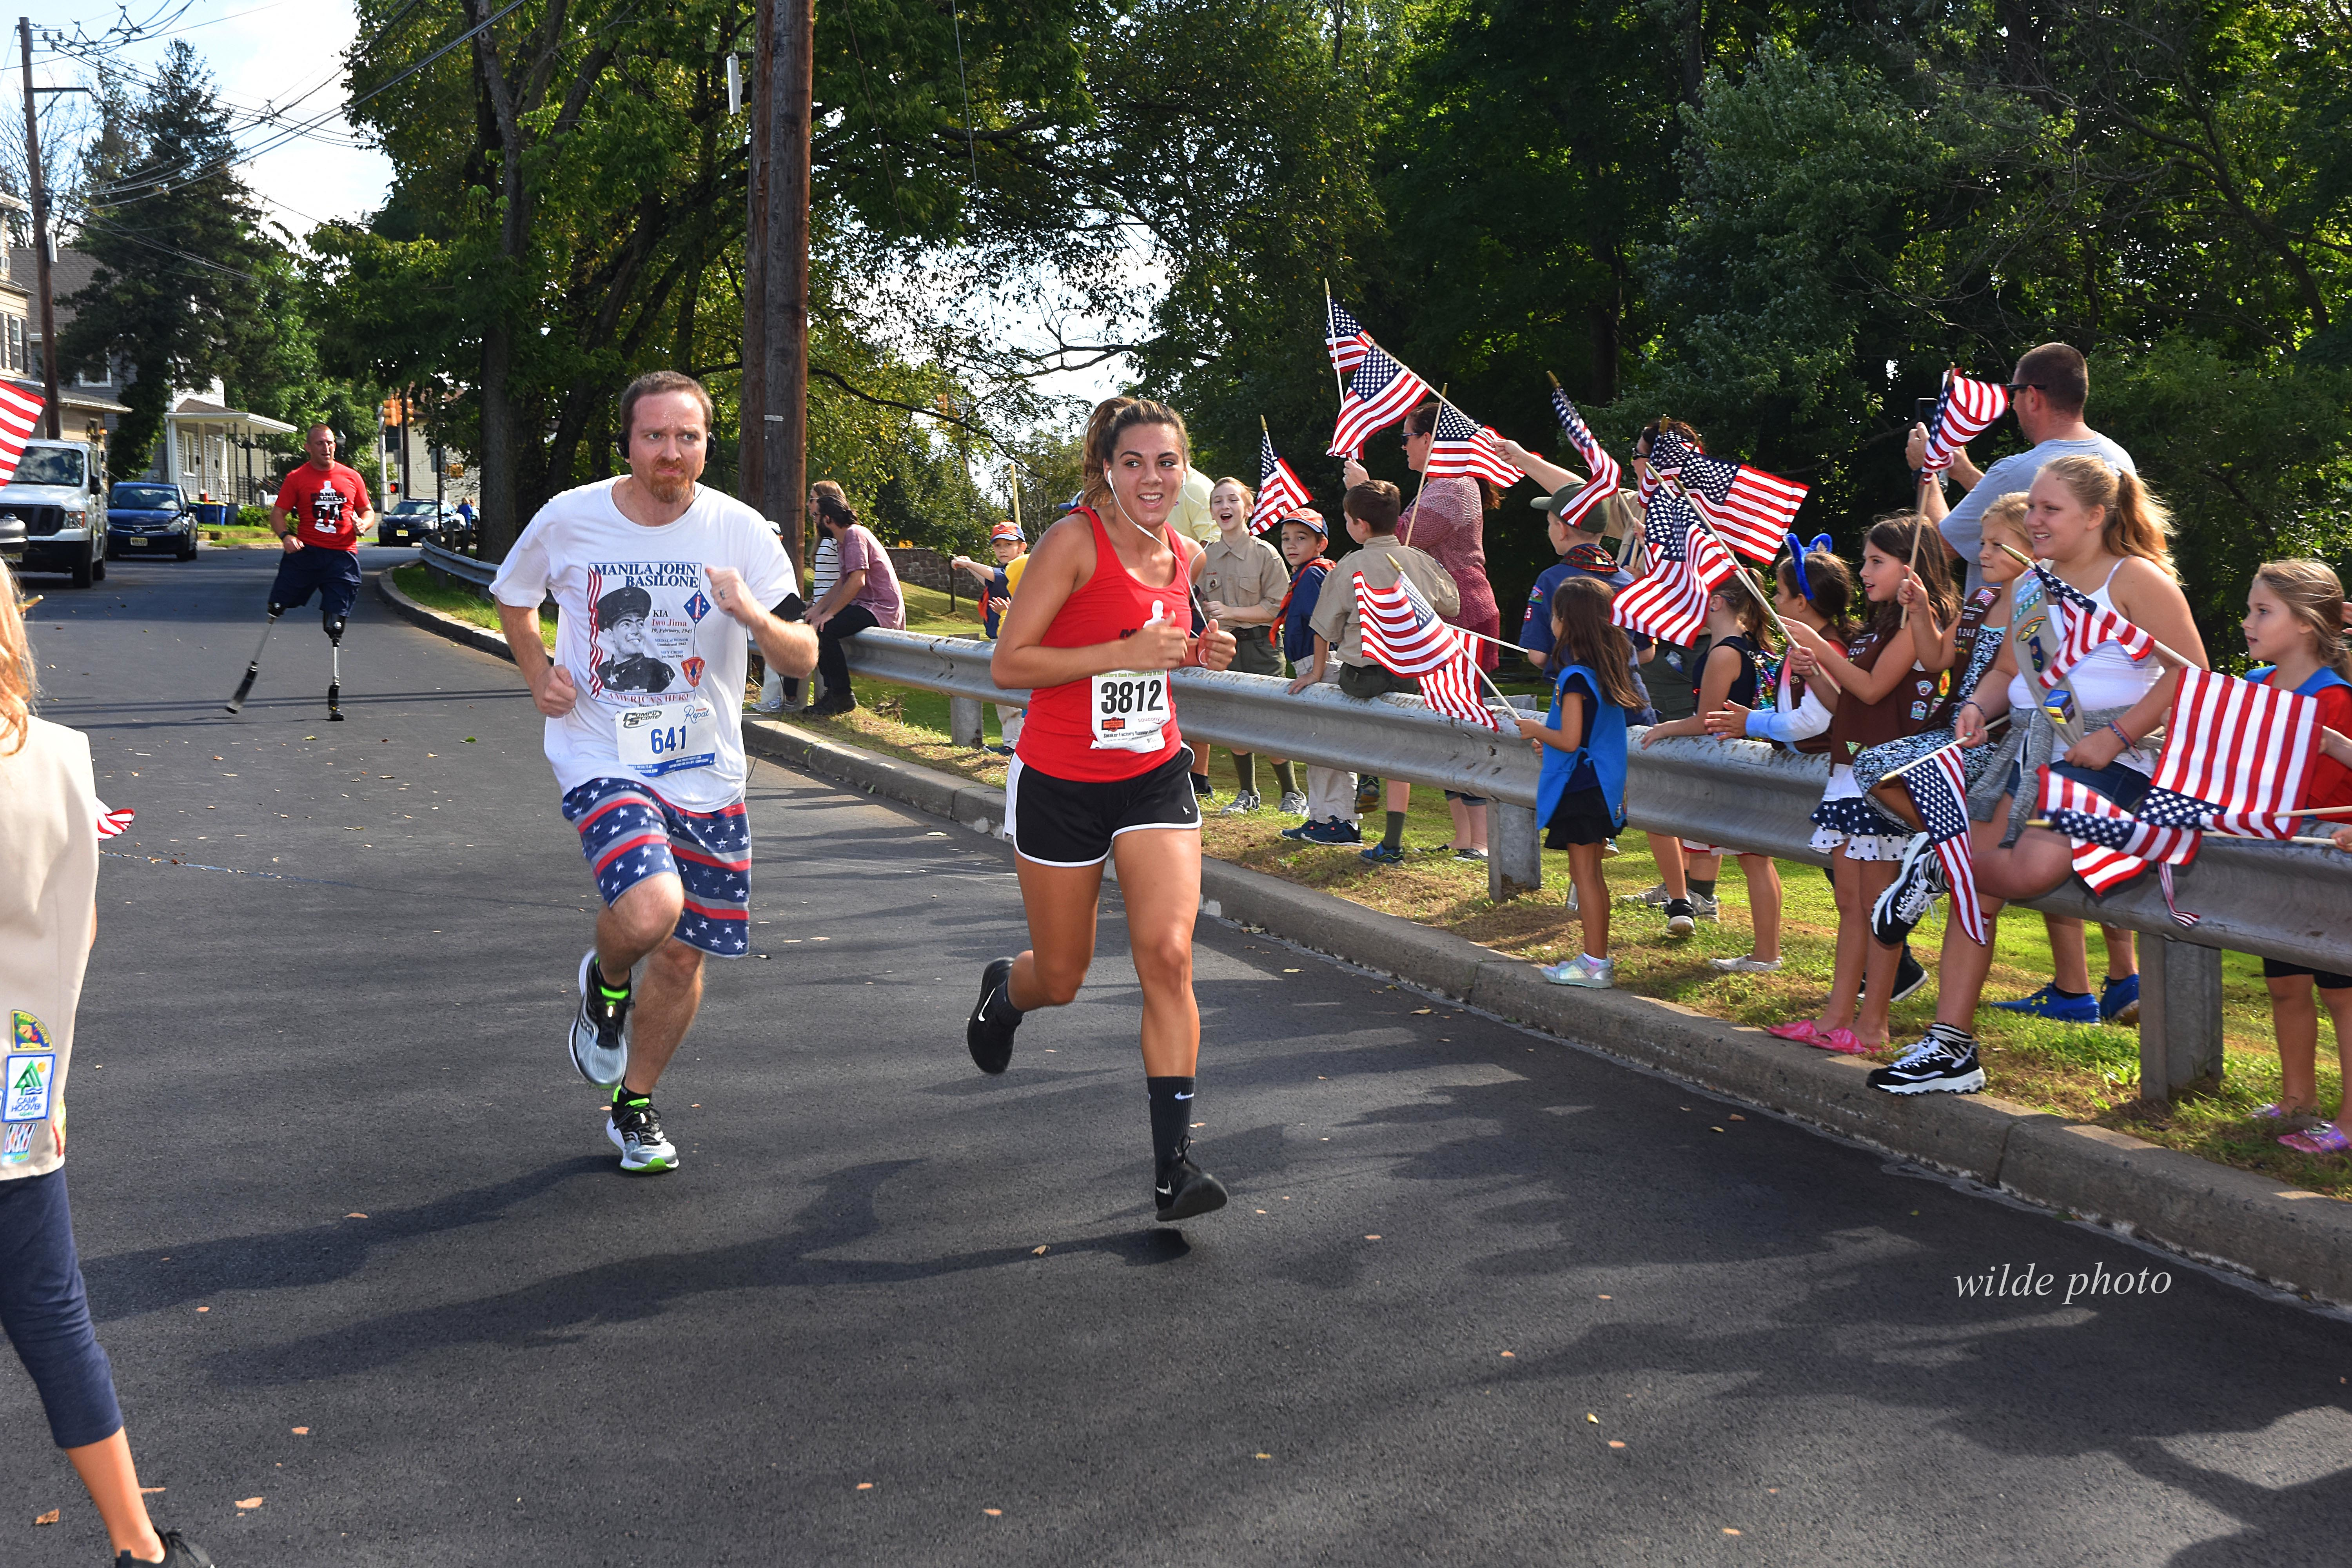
{"x": 1058, "y": 737}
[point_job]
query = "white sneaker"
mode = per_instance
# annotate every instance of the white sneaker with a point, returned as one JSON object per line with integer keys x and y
{"x": 1747, "y": 963}
{"x": 1293, "y": 803}
{"x": 764, "y": 706}
{"x": 1705, "y": 907}
{"x": 1594, "y": 974}
{"x": 1242, "y": 805}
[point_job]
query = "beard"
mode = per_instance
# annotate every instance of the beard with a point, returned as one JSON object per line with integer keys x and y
{"x": 668, "y": 486}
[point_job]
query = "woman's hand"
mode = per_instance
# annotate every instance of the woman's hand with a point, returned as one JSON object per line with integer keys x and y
{"x": 1969, "y": 726}
{"x": 1354, "y": 473}
{"x": 1914, "y": 446}
{"x": 1160, "y": 645}
{"x": 1531, "y": 729}
{"x": 1217, "y": 646}
{"x": 2341, "y": 837}
{"x": 1728, "y": 723}
{"x": 2097, "y": 749}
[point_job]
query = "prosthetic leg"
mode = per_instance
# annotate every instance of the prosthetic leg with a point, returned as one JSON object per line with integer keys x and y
{"x": 245, "y": 686}
{"x": 334, "y": 626}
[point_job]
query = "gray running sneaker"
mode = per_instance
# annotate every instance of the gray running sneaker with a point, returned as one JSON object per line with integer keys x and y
{"x": 1655, "y": 897}
{"x": 1706, "y": 907}
{"x": 600, "y": 1030}
{"x": 635, "y": 1129}
{"x": 1293, "y": 803}
{"x": 1243, "y": 804}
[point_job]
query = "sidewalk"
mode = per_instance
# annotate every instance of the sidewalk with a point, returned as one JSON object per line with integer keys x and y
{"x": 2294, "y": 1238}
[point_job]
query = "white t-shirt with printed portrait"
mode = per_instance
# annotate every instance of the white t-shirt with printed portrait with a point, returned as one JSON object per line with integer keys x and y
{"x": 659, "y": 666}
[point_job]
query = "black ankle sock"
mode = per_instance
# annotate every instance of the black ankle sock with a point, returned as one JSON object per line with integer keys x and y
{"x": 1171, "y": 1116}
{"x": 1394, "y": 838}
{"x": 2055, "y": 990}
{"x": 1703, "y": 885}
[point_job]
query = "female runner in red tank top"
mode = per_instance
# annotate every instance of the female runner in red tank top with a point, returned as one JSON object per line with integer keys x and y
{"x": 1104, "y": 614}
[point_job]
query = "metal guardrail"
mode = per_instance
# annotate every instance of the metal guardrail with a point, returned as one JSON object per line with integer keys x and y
{"x": 2274, "y": 901}
{"x": 448, "y": 566}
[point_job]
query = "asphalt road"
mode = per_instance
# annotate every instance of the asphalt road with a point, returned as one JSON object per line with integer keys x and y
{"x": 359, "y": 1249}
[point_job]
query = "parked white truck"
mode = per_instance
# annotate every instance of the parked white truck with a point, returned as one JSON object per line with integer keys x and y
{"x": 58, "y": 492}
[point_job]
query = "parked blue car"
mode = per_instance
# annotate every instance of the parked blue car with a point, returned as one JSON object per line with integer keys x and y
{"x": 144, "y": 518}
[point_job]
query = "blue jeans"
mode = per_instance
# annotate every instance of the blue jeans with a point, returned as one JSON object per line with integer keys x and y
{"x": 46, "y": 1316}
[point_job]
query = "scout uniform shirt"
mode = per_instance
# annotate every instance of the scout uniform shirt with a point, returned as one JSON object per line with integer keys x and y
{"x": 1381, "y": 558}
{"x": 1248, "y": 577}
{"x": 48, "y": 895}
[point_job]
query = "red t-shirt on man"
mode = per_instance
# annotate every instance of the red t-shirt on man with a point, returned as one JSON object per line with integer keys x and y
{"x": 326, "y": 507}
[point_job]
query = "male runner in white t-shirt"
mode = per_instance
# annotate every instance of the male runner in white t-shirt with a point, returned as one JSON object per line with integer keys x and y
{"x": 657, "y": 579}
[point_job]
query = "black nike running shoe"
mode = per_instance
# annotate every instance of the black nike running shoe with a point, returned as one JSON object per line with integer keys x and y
{"x": 989, "y": 1031}
{"x": 1183, "y": 1189}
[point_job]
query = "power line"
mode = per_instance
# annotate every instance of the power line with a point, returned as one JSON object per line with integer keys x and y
{"x": 118, "y": 196}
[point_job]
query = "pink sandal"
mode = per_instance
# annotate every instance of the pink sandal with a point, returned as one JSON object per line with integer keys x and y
{"x": 2325, "y": 1139}
{"x": 1844, "y": 1042}
{"x": 1801, "y": 1030}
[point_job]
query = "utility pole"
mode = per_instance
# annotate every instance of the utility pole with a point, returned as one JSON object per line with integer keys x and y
{"x": 788, "y": 73}
{"x": 40, "y": 193}
{"x": 751, "y": 441}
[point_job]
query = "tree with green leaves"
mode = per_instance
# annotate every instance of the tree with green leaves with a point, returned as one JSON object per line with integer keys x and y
{"x": 175, "y": 233}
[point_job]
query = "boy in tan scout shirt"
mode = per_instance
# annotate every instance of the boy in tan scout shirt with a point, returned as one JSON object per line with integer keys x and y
{"x": 1379, "y": 557}
{"x": 1242, "y": 580}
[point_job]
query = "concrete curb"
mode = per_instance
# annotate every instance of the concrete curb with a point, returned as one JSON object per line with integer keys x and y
{"x": 2298, "y": 1240}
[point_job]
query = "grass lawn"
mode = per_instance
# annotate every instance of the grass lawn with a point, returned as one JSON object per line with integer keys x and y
{"x": 2085, "y": 1072}
{"x": 463, "y": 602}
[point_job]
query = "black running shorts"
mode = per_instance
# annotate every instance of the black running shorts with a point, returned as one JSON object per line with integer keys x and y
{"x": 1070, "y": 822}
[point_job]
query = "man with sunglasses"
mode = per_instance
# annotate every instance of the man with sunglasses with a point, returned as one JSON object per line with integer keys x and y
{"x": 2047, "y": 394}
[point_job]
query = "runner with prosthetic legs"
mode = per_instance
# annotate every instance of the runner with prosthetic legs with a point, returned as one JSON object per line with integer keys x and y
{"x": 1103, "y": 614}
{"x": 658, "y": 579}
{"x": 321, "y": 511}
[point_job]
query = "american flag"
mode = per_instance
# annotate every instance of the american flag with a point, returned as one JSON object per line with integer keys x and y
{"x": 1346, "y": 341}
{"x": 1753, "y": 509}
{"x": 1380, "y": 393}
{"x": 1685, "y": 563}
{"x": 1964, "y": 410}
{"x": 1939, "y": 789}
{"x": 1605, "y": 472}
{"x": 2236, "y": 754}
{"x": 1401, "y": 632}
{"x": 1666, "y": 454}
{"x": 20, "y": 416}
{"x": 1279, "y": 494}
{"x": 2086, "y": 626}
{"x": 114, "y": 820}
{"x": 1456, "y": 451}
{"x": 2111, "y": 844}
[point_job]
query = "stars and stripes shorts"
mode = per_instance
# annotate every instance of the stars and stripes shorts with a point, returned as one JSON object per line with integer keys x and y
{"x": 629, "y": 833}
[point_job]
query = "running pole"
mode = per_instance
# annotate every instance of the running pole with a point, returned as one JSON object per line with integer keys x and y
{"x": 245, "y": 686}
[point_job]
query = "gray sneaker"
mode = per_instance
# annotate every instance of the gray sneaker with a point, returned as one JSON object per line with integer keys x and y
{"x": 1654, "y": 896}
{"x": 1293, "y": 803}
{"x": 1242, "y": 805}
{"x": 1594, "y": 974}
{"x": 600, "y": 1029}
{"x": 635, "y": 1129}
{"x": 1705, "y": 907}
{"x": 1747, "y": 963}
